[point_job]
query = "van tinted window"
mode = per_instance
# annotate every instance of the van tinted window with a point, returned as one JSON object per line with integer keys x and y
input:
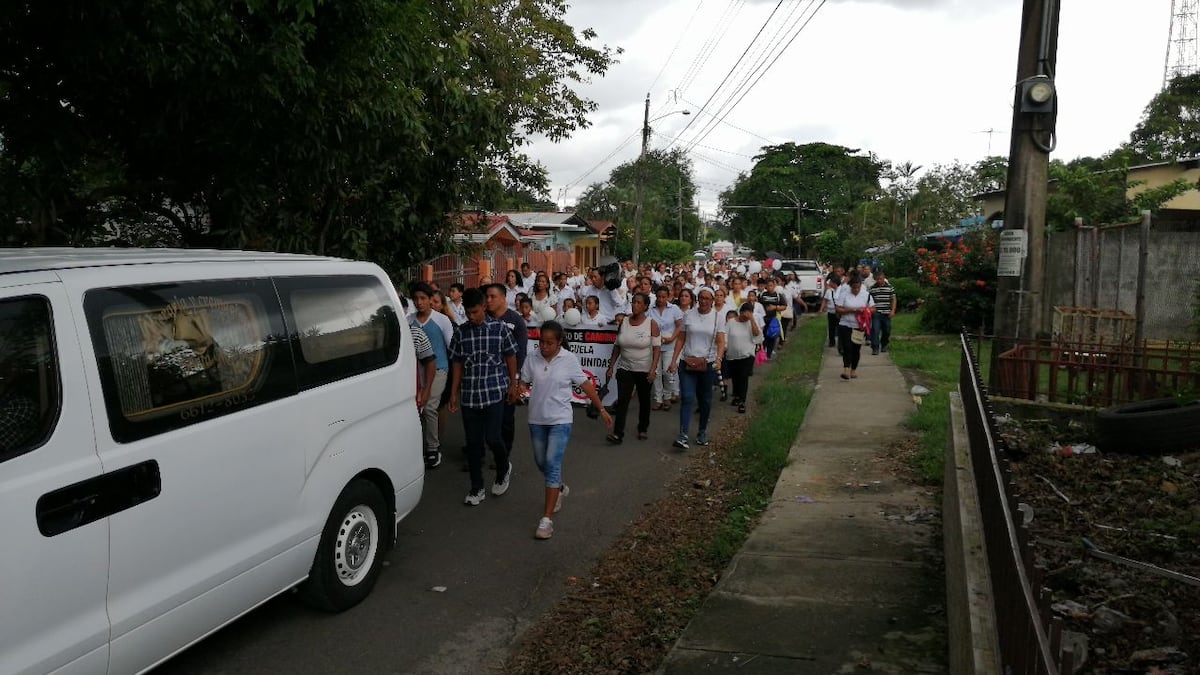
{"x": 340, "y": 326}
{"x": 30, "y": 395}
{"x": 171, "y": 355}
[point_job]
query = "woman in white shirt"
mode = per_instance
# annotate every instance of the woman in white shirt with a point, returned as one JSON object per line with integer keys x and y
{"x": 542, "y": 295}
{"x": 742, "y": 335}
{"x": 852, "y": 303}
{"x": 512, "y": 286}
{"x": 670, "y": 321}
{"x": 703, "y": 342}
{"x": 549, "y": 374}
{"x": 635, "y": 358}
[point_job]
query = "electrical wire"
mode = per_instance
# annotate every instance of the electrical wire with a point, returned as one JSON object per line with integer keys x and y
{"x": 601, "y": 163}
{"x": 714, "y": 38}
{"x": 768, "y": 67}
{"x": 732, "y": 125}
{"x": 678, "y": 42}
{"x": 760, "y": 57}
{"x": 735, "y": 64}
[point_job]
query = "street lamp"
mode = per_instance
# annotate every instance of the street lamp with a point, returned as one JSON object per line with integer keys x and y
{"x": 637, "y": 214}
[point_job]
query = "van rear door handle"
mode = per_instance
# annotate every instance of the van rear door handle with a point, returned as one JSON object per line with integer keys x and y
{"x": 90, "y": 500}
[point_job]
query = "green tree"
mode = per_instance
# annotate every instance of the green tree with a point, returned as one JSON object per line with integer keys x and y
{"x": 668, "y": 199}
{"x": 1170, "y": 125}
{"x": 828, "y": 181}
{"x": 350, "y": 127}
{"x": 1097, "y": 190}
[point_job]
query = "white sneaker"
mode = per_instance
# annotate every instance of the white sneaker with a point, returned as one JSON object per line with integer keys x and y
{"x": 474, "y": 498}
{"x": 545, "y": 529}
{"x": 500, "y": 487}
{"x": 563, "y": 492}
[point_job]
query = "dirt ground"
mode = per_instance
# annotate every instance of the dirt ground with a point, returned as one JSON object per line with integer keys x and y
{"x": 1144, "y": 508}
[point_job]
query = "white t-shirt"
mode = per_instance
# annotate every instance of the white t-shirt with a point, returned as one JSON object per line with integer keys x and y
{"x": 666, "y": 322}
{"x": 460, "y": 312}
{"x": 612, "y": 303}
{"x": 830, "y": 300}
{"x": 550, "y": 386}
{"x": 852, "y": 301}
{"x": 527, "y": 281}
{"x": 511, "y": 296}
{"x": 443, "y": 322}
{"x": 637, "y": 346}
{"x": 551, "y": 301}
{"x": 701, "y": 340}
{"x": 598, "y": 321}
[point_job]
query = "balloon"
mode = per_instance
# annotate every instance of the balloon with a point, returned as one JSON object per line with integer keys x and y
{"x": 754, "y": 267}
{"x": 572, "y": 317}
{"x": 546, "y": 313}
{"x": 776, "y": 264}
{"x": 740, "y": 269}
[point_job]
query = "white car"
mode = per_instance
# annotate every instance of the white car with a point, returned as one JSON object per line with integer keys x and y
{"x": 808, "y": 273}
{"x": 185, "y": 434}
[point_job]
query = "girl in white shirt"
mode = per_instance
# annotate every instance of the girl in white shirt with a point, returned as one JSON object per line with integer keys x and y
{"x": 548, "y": 376}
{"x": 592, "y": 318}
{"x": 742, "y": 336}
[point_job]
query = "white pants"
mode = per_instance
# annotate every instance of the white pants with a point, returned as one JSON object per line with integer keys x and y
{"x": 666, "y": 383}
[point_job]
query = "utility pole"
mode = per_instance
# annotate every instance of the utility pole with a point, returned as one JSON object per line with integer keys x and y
{"x": 1020, "y": 299}
{"x": 679, "y": 213}
{"x": 641, "y": 179}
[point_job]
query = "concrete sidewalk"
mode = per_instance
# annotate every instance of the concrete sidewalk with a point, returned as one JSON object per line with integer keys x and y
{"x": 836, "y": 577}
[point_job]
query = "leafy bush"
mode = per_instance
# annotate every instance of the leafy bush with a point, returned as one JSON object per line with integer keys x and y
{"x": 668, "y": 250}
{"x": 962, "y": 281}
{"x": 908, "y": 291}
{"x": 902, "y": 261}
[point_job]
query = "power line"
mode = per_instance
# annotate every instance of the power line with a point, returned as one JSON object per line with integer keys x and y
{"x": 763, "y": 70}
{"x": 677, "y": 43}
{"x": 768, "y": 67}
{"x": 735, "y": 64}
{"x": 710, "y": 43}
{"x": 760, "y": 57}
{"x": 706, "y": 147}
{"x": 732, "y": 125}
{"x": 601, "y": 163}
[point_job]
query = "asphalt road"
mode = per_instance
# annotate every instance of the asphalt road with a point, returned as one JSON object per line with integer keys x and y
{"x": 498, "y": 578}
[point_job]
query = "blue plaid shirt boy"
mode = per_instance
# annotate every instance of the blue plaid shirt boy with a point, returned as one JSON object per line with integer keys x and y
{"x": 481, "y": 350}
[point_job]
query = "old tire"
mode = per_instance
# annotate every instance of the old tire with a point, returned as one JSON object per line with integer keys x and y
{"x": 1153, "y": 427}
{"x": 351, "y": 550}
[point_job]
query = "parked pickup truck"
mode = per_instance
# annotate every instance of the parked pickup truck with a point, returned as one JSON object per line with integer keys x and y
{"x": 808, "y": 273}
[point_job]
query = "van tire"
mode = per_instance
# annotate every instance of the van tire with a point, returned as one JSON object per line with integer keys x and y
{"x": 1152, "y": 427}
{"x": 351, "y": 550}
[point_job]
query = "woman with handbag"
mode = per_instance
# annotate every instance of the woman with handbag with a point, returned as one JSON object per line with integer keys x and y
{"x": 635, "y": 358}
{"x": 697, "y": 358}
{"x": 851, "y": 304}
{"x": 743, "y": 337}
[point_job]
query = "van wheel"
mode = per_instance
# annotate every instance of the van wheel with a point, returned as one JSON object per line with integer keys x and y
{"x": 350, "y": 554}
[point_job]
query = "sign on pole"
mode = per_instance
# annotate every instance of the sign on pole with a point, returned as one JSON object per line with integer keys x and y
{"x": 1013, "y": 249}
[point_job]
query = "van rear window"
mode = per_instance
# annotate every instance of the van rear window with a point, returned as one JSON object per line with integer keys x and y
{"x": 175, "y": 354}
{"x": 342, "y": 326}
{"x": 30, "y": 396}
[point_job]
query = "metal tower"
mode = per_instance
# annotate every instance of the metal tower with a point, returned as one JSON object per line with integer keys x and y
{"x": 1182, "y": 55}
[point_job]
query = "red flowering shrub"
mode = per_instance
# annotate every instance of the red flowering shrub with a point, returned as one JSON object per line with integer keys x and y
{"x": 962, "y": 278}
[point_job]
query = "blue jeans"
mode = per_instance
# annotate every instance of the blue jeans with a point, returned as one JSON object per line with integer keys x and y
{"x": 482, "y": 425}
{"x": 881, "y": 330}
{"x": 692, "y": 387}
{"x": 549, "y": 443}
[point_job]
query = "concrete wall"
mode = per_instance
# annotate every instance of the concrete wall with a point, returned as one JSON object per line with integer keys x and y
{"x": 974, "y": 642}
{"x": 1174, "y": 272}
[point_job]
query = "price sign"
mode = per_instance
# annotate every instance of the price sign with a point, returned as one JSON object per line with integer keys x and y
{"x": 1013, "y": 248}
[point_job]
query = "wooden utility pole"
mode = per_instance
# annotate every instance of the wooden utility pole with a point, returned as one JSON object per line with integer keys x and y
{"x": 641, "y": 179}
{"x": 1020, "y": 310}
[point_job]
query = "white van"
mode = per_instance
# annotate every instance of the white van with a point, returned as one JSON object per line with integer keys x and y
{"x": 185, "y": 434}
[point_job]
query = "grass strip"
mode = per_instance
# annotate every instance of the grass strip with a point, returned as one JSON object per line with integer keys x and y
{"x": 763, "y": 451}
{"x": 931, "y": 360}
{"x": 641, "y": 594}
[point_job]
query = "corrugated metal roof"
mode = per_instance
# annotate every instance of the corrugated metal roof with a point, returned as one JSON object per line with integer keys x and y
{"x": 14, "y": 260}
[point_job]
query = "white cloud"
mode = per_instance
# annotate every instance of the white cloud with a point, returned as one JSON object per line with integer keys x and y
{"x": 909, "y": 80}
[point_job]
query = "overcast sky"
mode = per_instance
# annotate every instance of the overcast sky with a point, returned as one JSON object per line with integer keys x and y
{"x": 909, "y": 80}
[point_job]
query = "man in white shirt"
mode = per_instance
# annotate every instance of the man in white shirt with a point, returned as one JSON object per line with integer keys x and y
{"x": 563, "y": 289}
{"x": 456, "y": 305}
{"x": 576, "y": 280}
{"x": 612, "y": 302}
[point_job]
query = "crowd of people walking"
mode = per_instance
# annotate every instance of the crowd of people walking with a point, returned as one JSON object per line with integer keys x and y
{"x": 685, "y": 335}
